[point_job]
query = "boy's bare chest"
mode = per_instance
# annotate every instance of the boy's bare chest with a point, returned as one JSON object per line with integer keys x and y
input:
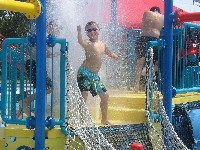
{"x": 96, "y": 49}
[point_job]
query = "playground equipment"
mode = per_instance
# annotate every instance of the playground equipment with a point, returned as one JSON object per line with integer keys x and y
{"x": 78, "y": 131}
{"x": 31, "y": 9}
{"x": 186, "y": 58}
{"x": 137, "y": 146}
{"x": 42, "y": 139}
{"x": 133, "y": 19}
{"x": 182, "y": 17}
{"x": 185, "y": 122}
{"x": 19, "y": 79}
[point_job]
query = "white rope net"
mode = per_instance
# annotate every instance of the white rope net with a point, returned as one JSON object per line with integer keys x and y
{"x": 86, "y": 135}
{"x": 79, "y": 120}
{"x": 161, "y": 130}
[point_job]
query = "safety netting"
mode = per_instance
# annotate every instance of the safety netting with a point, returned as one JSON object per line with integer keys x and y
{"x": 84, "y": 133}
{"x": 157, "y": 133}
{"x": 79, "y": 121}
{"x": 121, "y": 136}
{"x": 162, "y": 133}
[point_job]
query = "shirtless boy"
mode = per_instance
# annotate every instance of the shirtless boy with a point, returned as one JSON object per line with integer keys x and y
{"x": 153, "y": 22}
{"x": 87, "y": 77}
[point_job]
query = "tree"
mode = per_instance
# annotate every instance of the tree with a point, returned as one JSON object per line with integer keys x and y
{"x": 13, "y": 24}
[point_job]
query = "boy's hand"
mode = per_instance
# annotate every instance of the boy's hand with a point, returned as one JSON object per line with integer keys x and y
{"x": 79, "y": 28}
{"x": 116, "y": 57}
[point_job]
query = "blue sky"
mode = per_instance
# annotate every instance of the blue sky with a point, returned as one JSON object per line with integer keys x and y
{"x": 188, "y": 5}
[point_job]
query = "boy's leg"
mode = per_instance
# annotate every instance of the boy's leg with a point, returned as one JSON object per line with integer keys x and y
{"x": 1, "y": 120}
{"x": 20, "y": 111}
{"x": 26, "y": 104}
{"x": 139, "y": 66}
{"x": 104, "y": 108}
{"x": 48, "y": 90}
{"x": 85, "y": 95}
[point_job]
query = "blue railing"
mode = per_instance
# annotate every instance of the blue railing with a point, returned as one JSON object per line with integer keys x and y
{"x": 186, "y": 57}
{"x": 186, "y": 64}
{"x": 15, "y": 82}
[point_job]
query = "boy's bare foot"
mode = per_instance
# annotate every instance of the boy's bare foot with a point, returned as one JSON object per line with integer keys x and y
{"x": 20, "y": 114}
{"x": 135, "y": 90}
{"x": 106, "y": 122}
{"x": 2, "y": 124}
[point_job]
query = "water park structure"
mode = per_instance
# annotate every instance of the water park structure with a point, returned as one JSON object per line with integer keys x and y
{"x": 74, "y": 127}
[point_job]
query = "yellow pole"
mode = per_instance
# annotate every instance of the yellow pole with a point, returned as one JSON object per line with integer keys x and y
{"x": 31, "y": 9}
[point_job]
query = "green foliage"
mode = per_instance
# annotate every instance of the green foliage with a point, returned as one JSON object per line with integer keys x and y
{"x": 13, "y": 24}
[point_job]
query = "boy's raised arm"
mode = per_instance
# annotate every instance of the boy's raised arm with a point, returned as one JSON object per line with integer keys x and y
{"x": 82, "y": 42}
{"x": 111, "y": 54}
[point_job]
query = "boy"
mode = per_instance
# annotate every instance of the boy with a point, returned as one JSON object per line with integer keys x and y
{"x": 153, "y": 22}
{"x": 87, "y": 77}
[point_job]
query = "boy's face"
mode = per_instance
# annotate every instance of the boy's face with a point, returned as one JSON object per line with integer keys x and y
{"x": 92, "y": 31}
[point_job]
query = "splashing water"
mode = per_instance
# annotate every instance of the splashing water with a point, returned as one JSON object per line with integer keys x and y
{"x": 66, "y": 15}
{"x": 63, "y": 16}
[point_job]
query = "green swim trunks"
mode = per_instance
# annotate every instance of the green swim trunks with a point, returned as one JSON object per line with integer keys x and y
{"x": 89, "y": 81}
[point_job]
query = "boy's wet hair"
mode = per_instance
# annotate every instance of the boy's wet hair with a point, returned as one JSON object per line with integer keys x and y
{"x": 155, "y": 8}
{"x": 90, "y": 23}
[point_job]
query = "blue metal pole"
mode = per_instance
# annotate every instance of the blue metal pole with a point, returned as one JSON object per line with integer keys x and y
{"x": 40, "y": 79}
{"x": 167, "y": 58}
{"x": 114, "y": 13}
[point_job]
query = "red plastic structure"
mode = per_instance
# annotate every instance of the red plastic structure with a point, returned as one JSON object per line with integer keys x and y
{"x": 182, "y": 17}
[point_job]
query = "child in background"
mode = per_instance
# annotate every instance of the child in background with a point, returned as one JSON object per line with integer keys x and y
{"x": 153, "y": 22}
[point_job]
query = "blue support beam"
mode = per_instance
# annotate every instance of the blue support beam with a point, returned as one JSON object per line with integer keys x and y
{"x": 167, "y": 58}
{"x": 41, "y": 79}
{"x": 113, "y": 13}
